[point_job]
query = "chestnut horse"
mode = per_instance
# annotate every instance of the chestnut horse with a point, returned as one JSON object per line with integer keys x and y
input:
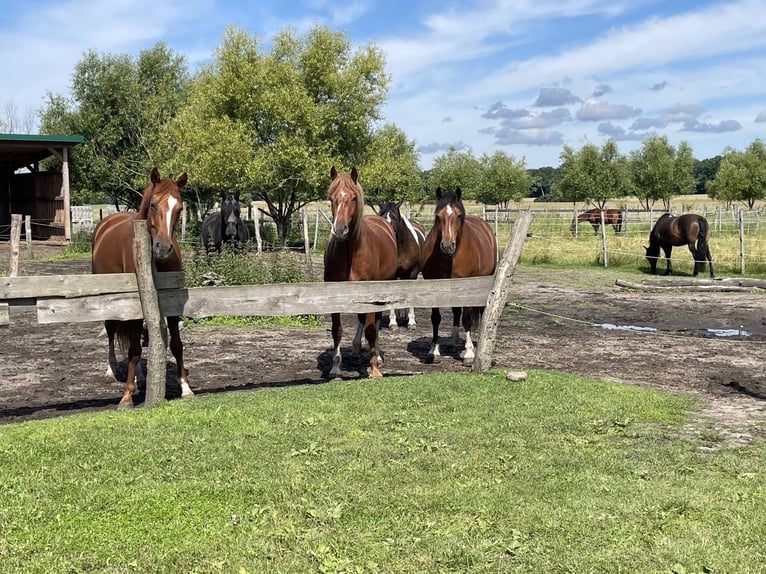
{"x": 612, "y": 217}
{"x": 458, "y": 245}
{"x": 689, "y": 229}
{"x": 225, "y": 225}
{"x": 113, "y": 253}
{"x": 361, "y": 248}
{"x": 410, "y": 236}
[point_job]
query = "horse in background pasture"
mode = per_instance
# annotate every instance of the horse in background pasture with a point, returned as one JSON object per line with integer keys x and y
{"x": 458, "y": 245}
{"x": 688, "y": 229}
{"x": 612, "y": 217}
{"x": 410, "y": 237}
{"x": 112, "y": 252}
{"x": 225, "y": 225}
{"x": 361, "y": 248}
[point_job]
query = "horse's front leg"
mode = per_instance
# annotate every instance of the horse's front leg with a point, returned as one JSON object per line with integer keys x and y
{"x": 392, "y": 324}
{"x": 356, "y": 344}
{"x": 669, "y": 268}
{"x": 337, "y": 332}
{"x": 411, "y": 318}
{"x": 111, "y": 360}
{"x": 371, "y": 334}
{"x": 436, "y": 318}
{"x": 455, "y": 336}
{"x": 134, "y": 356}
{"x": 471, "y": 318}
{"x": 177, "y": 348}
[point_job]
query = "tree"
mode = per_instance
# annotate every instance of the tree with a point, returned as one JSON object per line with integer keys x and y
{"x": 455, "y": 169}
{"x": 593, "y": 174}
{"x": 15, "y": 122}
{"x": 502, "y": 179}
{"x": 119, "y": 105}
{"x": 659, "y": 171}
{"x": 390, "y": 170}
{"x": 741, "y": 175}
{"x": 541, "y": 186}
{"x": 704, "y": 171}
{"x": 273, "y": 123}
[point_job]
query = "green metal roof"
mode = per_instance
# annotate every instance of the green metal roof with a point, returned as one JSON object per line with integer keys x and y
{"x": 21, "y": 150}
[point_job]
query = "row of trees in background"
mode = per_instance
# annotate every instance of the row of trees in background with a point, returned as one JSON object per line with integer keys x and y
{"x": 270, "y": 123}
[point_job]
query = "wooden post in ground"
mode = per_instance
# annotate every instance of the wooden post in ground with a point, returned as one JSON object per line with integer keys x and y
{"x": 497, "y": 296}
{"x": 158, "y": 337}
{"x": 306, "y": 243}
{"x": 603, "y": 238}
{"x": 13, "y": 267}
{"x": 28, "y": 234}
{"x": 257, "y": 228}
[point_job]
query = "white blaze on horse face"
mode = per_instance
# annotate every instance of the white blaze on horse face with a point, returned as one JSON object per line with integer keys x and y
{"x": 172, "y": 201}
{"x": 450, "y": 222}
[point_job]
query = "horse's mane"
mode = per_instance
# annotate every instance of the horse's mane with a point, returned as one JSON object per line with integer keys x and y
{"x": 146, "y": 201}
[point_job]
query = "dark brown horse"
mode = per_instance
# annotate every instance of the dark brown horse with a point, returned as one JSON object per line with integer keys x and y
{"x": 410, "y": 236}
{"x": 612, "y": 217}
{"x": 689, "y": 229}
{"x": 160, "y": 206}
{"x": 361, "y": 248}
{"x": 458, "y": 245}
{"x": 225, "y": 225}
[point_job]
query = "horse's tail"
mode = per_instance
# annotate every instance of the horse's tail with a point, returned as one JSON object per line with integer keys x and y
{"x": 702, "y": 248}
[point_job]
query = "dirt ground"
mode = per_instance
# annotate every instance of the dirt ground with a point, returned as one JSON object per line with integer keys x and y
{"x": 561, "y": 320}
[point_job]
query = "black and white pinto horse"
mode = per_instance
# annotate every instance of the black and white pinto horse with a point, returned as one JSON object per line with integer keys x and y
{"x": 410, "y": 236}
{"x": 224, "y": 226}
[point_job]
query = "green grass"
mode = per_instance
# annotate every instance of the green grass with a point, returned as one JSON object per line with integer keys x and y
{"x": 430, "y": 473}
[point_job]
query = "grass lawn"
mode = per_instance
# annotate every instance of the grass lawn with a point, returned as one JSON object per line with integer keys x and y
{"x": 429, "y": 473}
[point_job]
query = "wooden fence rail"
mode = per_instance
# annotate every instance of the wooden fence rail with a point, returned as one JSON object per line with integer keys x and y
{"x": 123, "y": 296}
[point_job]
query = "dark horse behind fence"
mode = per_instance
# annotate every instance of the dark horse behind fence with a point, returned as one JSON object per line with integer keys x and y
{"x": 688, "y": 229}
{"x": 361, "y": 248}
{"x": 225, "y": 225}
{"x": 458, "y": 245}
{"x": 160, "y": 206}
{"x": 612, "y": 217}
{"x": 410, "y": 236}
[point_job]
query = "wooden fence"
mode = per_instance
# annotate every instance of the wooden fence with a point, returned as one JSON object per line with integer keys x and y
{"x": 151, "y": 295}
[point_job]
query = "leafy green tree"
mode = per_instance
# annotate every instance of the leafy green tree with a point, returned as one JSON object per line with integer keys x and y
{"x": 502, "y": 179}
{"x": 659, "y": 171}
{"x": 741, "y": 175}
{"x": 455, "y": 169}
{"x": 592, "y": 174}
{"x": 274, "y": 122}
{"x": 541, "y": 182}
{"x": 390, "y": 170}
{"x": 704, "y": 171}
{"x": 119, "y": 105}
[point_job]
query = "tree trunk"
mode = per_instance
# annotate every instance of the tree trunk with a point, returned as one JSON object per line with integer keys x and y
{"x": 284, "y": 224}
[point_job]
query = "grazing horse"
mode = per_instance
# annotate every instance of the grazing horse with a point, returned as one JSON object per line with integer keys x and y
{"x": 458, "y": 245}
{"x": 410, "y": 236}
{"x": 224, "y": 226}
{"x": 113, "y": 253}
{"x": 688, "y": 229}
{"x": 612, "y": 217}
{"x": 361, "y": 248}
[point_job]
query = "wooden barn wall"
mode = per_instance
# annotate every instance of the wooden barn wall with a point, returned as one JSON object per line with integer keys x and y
{"x": 37, "y": 195}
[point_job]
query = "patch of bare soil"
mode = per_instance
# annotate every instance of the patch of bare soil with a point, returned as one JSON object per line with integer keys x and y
{"x": 551, "y": 322}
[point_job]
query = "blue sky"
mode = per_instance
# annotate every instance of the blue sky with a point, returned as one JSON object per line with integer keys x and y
{"x": 521, "y": 76}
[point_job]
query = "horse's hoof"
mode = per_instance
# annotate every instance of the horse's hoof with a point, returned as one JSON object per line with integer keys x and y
{"x": 125, "y": 405}
{"x": 433, "y": 359}
{"x": 467, "y": 361}
{"x": 375, "y": 374}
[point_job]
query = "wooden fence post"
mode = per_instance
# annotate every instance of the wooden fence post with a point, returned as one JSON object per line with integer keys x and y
{"x": 741, "y": 221}
{"x": 306, "y": 243}
{"x": 147, "y": 291}
{"x": 316, "y": 228}
{"x": 15, "y": 240}
{"x": 603, "y": 238}
{"x": 499, "y": 293}
{"x": 257, "y": 228}
{"x": 28, "y": 234}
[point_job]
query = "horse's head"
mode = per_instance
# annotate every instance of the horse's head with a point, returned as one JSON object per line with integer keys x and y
{"x": 652, "y": 254}
{"x": 347, "y": 203}
{"x": 389, "y": 210}
{"x": 448, "y": 219}
{"x": 160, "y": 206}
{"x": 230, "y": 215}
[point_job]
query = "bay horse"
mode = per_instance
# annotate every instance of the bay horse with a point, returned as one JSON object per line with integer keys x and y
{"x": 410, "y": 236}
{"x": 112, "y": 244}
{"x": 458, "y": 245}
{"x": 688, "y": 229}
{"x": 612, "y": 217}
{"x": 225, "y": 225}
{"x": 361, "y": 248}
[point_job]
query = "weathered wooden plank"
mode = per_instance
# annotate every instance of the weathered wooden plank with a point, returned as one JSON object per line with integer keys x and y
{"x": 79, "y": 285}
{"x": 5, "y": 316}
{"x": 273, "y": 299}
